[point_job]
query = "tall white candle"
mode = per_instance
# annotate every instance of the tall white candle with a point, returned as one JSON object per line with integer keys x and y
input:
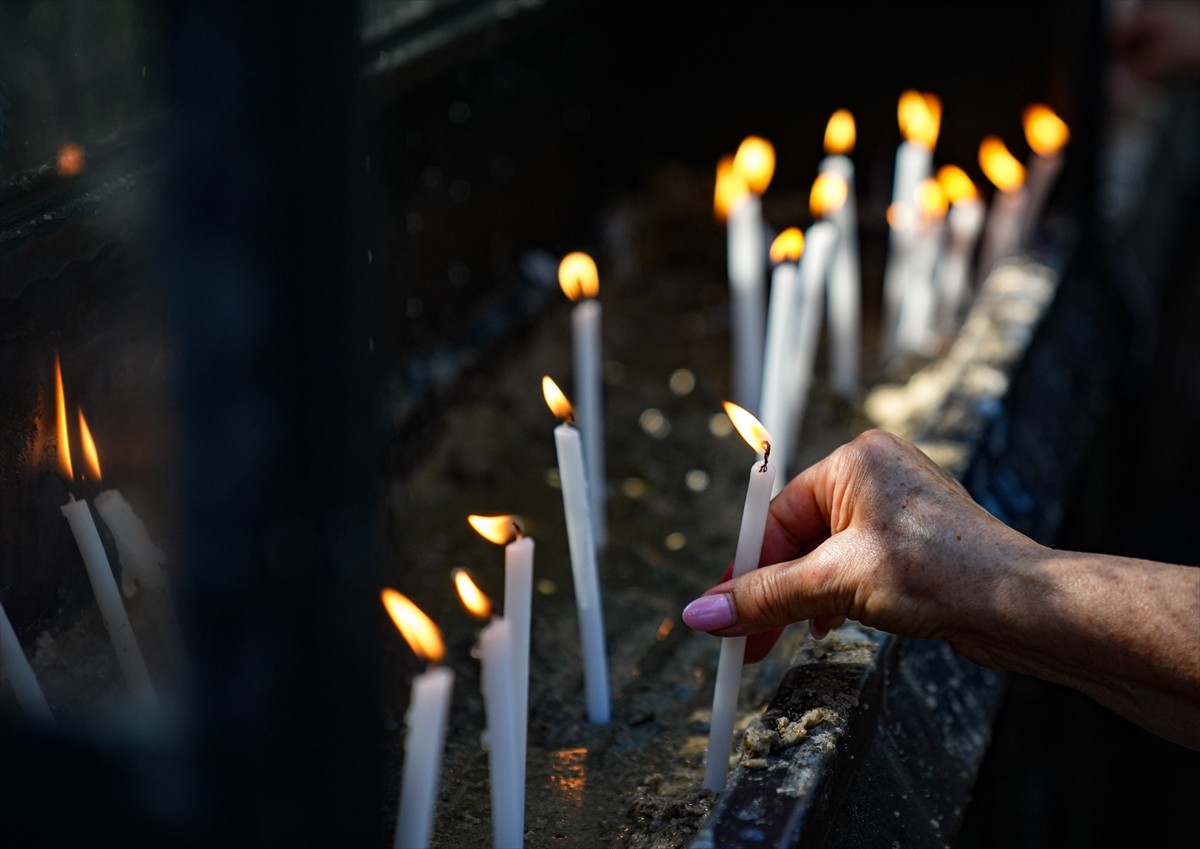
{"x": 782, "y": 317}
{"x": 496, "y": 679}
{"x": 141, "y": 560}
{"x": 749, "y": 547}
{"x": 1047, "y": 134}
{"x": 964, "y": 222}
{"x": 428, "y": 706}
{"x": 916, "y": 332}
{"x": 845, "y": 276}
{"x": 579, "y": 279}
{"x": 1002, "y": 231}
{"x": 584, "y": 571}
{"x": 15, "y": 668}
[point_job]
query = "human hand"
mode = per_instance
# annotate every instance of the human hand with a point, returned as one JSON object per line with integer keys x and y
{"x": 875, "y": 532}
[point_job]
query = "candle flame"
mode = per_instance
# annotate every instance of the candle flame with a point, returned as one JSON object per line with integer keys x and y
{"x": 89, "y": 447}
{"x": 70, "y": 160}
{"x": 556, "y": 400}
{"x": 755, "y": 161}
{"x": 840, "y": 132}
{"x": 578, "y": 277}
{"x": 60, "y": 410}
{"x": 828, "y": 195}
{"x": 731, "y": 188}
{"x": 748, "y": 427}
{"x": 788, "y": 246}
{"x": 920, "y": 117}
{"x": 1000, "y": 166}
{"x": 931, "y": 200}
{"x": 418, "y": 630}
{"x": 497, "y": 529}
{"x": 1044, "y": 130}
{"x": 956, "y": 184}
{"x": 472, "y": 597}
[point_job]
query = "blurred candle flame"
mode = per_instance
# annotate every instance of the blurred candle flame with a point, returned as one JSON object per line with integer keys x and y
{"x": 920, "y": 117}
{"x": 788, "y": 246}
{"x": 89, "y": 448}
{"x": 956, "y": 184}
{"x": 497, "y": 529}
{"x": 755, "y": 162}
{"x": 828, "y": 195}
{"x": 556, "y": 400}
{"x": 60, "y": 409}
{"x": 748, "y": 427}
{"x": 931, "y": 200}
{"x": 70, "y": 160}
{"x": 730, "y": 189}
{"x": 418, "y": 630}
{"x": 1000, "y": 166}
{"x": 840, "y": 133}
{"x": 1044, "y": 130}
{"x": 473, "y": 598}
{"x": 578, "y": 277}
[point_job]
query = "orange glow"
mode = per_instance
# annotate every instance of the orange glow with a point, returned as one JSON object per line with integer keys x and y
{"x": 71, "y": 160}
{"x": 89, "y": 448}
{"x": 755, "y": 162}
{"x": 731, "y": 188}
{"x": 497, "y": 529}
{"x": 1000, "y": 166}
{"x": 920, "y": 117}
{"x": 748, "y": 427}
{"x": 578, "y": 277}
{"x": 418, "y": 630}
{"x": 931, "y": 200}
{"x": 1045, "y": 131}
{"x": 664, "y": 629}
{"x": 840, "y": 132}
{"x": 955, "y": 183}
{"x": 788, "y": 245}
{"x": 828, "y": 194}
{"x": 60, "y": 410}
{"x": 556, "y": 400}
{"x": 472, "y": 597}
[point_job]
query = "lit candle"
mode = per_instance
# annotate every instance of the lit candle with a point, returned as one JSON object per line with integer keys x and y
{"x": 428, "y": 706}
{"x": 580, "y": 281}
{"x": 95, "y": 560}
{"x": 783, "y": 312}
{"x": 751, "y": 171}
{"x": 733, "y": 649}
{"x": 141, "y": 559}
{"x": 15, "y": 668}
{"x": 963, "y": 224}
{"x": 496, "y": 673}
{"x": 583, "y": 556}
{"x": 518, "y": 609}
{"x": 915, "y": 331}
{"x": 920, "y": 121}
{"x": 1047, "y": 135}
{"x": 1002, "y": 231}
{"x": 845, "y": 276}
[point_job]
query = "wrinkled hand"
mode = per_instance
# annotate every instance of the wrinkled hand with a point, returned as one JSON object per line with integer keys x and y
{"x": 875, "y": 532}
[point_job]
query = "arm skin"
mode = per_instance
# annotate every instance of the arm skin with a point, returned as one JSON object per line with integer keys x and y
{"x": 882, "y": 535}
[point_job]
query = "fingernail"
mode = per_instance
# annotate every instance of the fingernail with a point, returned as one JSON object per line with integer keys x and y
{"x": 818, "y": 633}
{"x": 710, "y": 613}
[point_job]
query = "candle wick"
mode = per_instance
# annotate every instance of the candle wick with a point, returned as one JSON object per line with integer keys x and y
{"x": 517, "y": 529}
{"x": 766, "y": 456}
{"x": 570, "y": 419}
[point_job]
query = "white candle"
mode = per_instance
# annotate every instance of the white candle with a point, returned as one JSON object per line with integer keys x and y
{"x": 1002, "y": 231}
{"x": 964, "y": 222}
{"x": 579, "y": 279}
{"x": 753, "y": 165}
{"x": 15, "y": 668}
{"x": 915, "y": 332}
{"x": 583, "y": 557}
{"x": 141, "y": 559}
{"x": 782, "y": 319}
{"x": 845, "y": 277}
{"x": 496, "y": 680}
{"x": 1047, "y": 134}
{"x": 749, "y": 547}
{"x": 428, "y": 706}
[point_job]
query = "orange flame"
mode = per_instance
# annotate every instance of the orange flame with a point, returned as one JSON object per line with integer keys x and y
{"x": 418, "y": 630}
{"x": 828, "y": 194}
{"x": 788, "y": 246}
{"x": 920, "y": 117}
{"x": 497, "y": 529}
{"x": 1045, "y": 131}
{"x": 1000, "y": 166}
{"x": 556, "y": 400}
{"x": 748, "y": 427}
{"x": 755, "y": 162}
{"x": 840, "y": 132}
{"x": 60, "y": 410}
{"x": 578, "y": 277}
{"x": 931, "y": 200}
{"x": 472, "y": 597}
{"x": 70, "y": 160}
{"x": 89, "y": 447}
{"x": 731, "y": 188}
{"x": 955, "y": 183}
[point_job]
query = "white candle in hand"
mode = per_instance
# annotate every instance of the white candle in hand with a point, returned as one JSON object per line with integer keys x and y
{"x": 15, "y": 668}
{"x": 1002, "y": 232}
{"x": 583, "y": 556}
{"x": 496, "y": 674}
{"x": 428, "y": 707}
{"x": 733, "y": 649}
{"x": 579, "y": 279}
{"x": 845, "y": 275}
{"x": 1047, "y": 134}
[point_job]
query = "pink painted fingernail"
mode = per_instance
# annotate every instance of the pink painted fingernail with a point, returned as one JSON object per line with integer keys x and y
{"x": 710, "y": 613}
